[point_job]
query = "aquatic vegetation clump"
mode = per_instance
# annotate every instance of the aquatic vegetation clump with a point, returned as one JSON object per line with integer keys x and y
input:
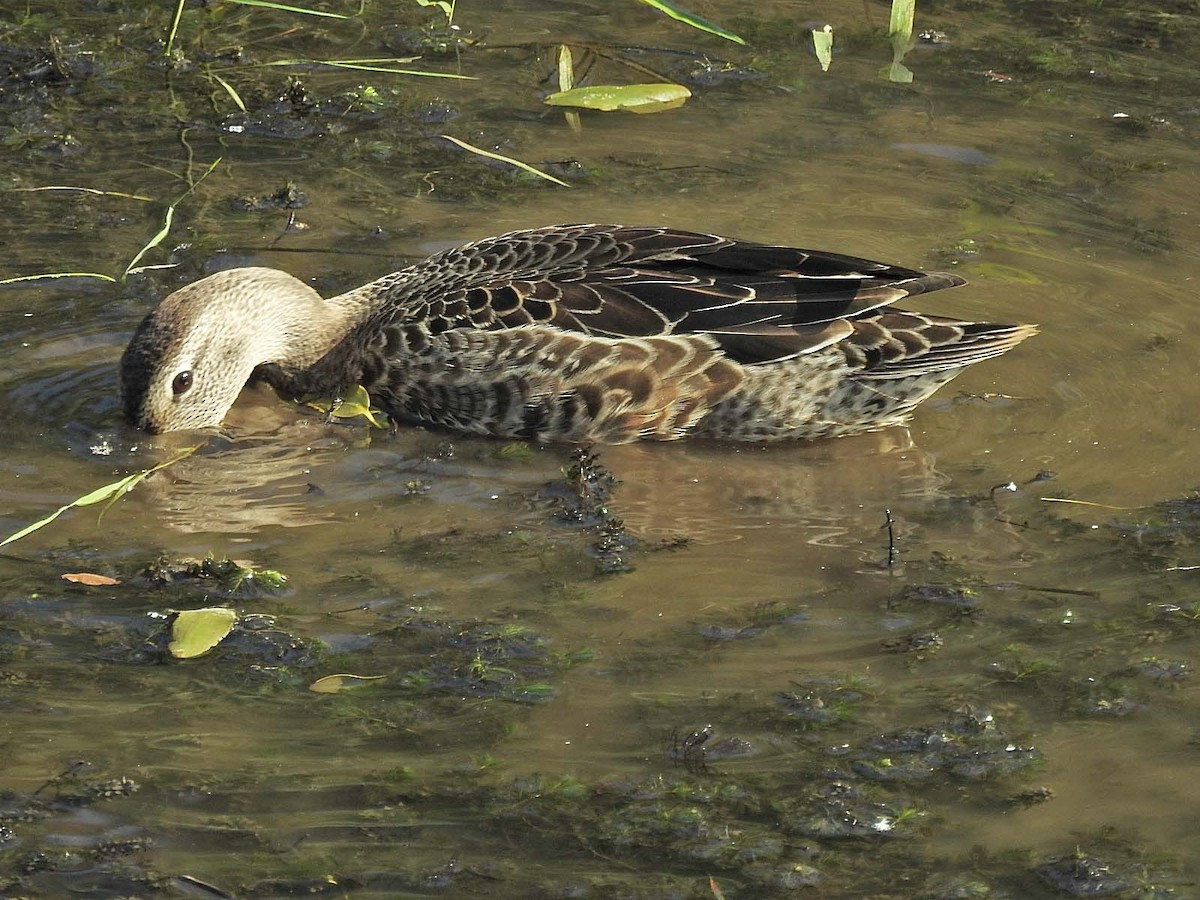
{"x": 582, "y": 498}
{"x": 480, "y": 661}
{"x": 226, "y": 576}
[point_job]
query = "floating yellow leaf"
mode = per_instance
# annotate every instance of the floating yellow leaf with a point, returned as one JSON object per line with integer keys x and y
{"x": 196, "y": 631}
{"x": 332, "y": 684}
{"x": 638, "y": 98}
{"x": 823, "y": 46}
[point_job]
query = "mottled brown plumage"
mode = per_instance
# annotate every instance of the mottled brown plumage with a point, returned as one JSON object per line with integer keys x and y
{"x": 573, "y": 333}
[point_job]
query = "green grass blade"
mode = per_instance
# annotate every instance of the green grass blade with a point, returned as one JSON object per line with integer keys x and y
{"x": 283, "y": 7}
{"x": 154, "y": 241}
{"x": 370, "y": 60}
{"x": 85, "y": 190}
{"x": 58, "y": 275}
{"x": 115, "y": 489}
{"x": 479, "y": 151}
{"x": 358, "y": 66}
{"x": 233, "y": 95}
{"x": 167, "y": 219}
{"x": 694, "y": 20}
{"x": 901, "y": 27}
{"x": 110, "y": 492}
{"x": 566, "y": 68}
{"x": 170, "y": 46}
{"x": 30, "y": 529}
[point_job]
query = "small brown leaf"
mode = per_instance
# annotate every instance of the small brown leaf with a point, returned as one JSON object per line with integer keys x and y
{"x": 89, "y": 578}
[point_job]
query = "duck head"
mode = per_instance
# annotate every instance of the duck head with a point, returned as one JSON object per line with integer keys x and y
{"x": 190, "y": 358}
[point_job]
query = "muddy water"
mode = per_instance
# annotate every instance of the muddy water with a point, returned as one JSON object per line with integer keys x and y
{"x": 1012, "y": 692}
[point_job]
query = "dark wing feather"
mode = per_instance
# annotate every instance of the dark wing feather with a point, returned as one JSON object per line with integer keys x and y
{"x": 898, "y": 344}
{"x": 761, "y": 303}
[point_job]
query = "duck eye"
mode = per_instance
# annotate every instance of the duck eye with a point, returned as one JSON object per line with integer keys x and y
{"x": 181, "y": 383}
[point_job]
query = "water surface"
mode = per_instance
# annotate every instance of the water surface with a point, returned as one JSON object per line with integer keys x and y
{"x": 1008, "y": 703}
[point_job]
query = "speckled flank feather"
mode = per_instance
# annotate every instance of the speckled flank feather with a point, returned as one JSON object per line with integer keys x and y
{"x": 546, "y": 384}
{"x": 587, "y": 333}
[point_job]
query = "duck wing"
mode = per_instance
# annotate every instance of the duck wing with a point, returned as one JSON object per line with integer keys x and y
{"x": 761, "y": 303}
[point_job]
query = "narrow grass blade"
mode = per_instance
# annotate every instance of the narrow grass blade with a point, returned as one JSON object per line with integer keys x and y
{"x": 167, "y": 219}
{"x": 368, "y": 60}
{"x": 170, "y": 45}
{"x": 283, "y": 7}
{"x": 566, "y": 81}
{"x": 86, "y": 190}
{"x": 154, "y": 241}
{"x": 682, "y": 15}
{"x": 479, "y": 151}
{"x": 566, "y": 68}
{"x": 58, "y": 275}
{"x": 233, "y": 95}
{"x": 1089, "y": 503}
{"x": 365, "y": 67}
{"x": 901, "y": 26}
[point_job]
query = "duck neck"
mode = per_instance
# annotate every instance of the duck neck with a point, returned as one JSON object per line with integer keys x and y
{"x": 317, "y": 335}
{"x": 359, "y": 304}
{"x": 313, "y": 325}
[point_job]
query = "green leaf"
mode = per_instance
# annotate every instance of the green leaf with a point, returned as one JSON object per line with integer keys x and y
{"x": 682, "y": 15}
{"x": 638, "y": 98}
{"x": 196, "y": 631}
{"x": 357, "y": 403}
{"x": 332, "y": 684}
{"x": 823, "y": 45}
{"x": 897, "y": 73}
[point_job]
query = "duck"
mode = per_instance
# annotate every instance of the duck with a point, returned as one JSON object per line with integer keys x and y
{"x": 571, "y": 333}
